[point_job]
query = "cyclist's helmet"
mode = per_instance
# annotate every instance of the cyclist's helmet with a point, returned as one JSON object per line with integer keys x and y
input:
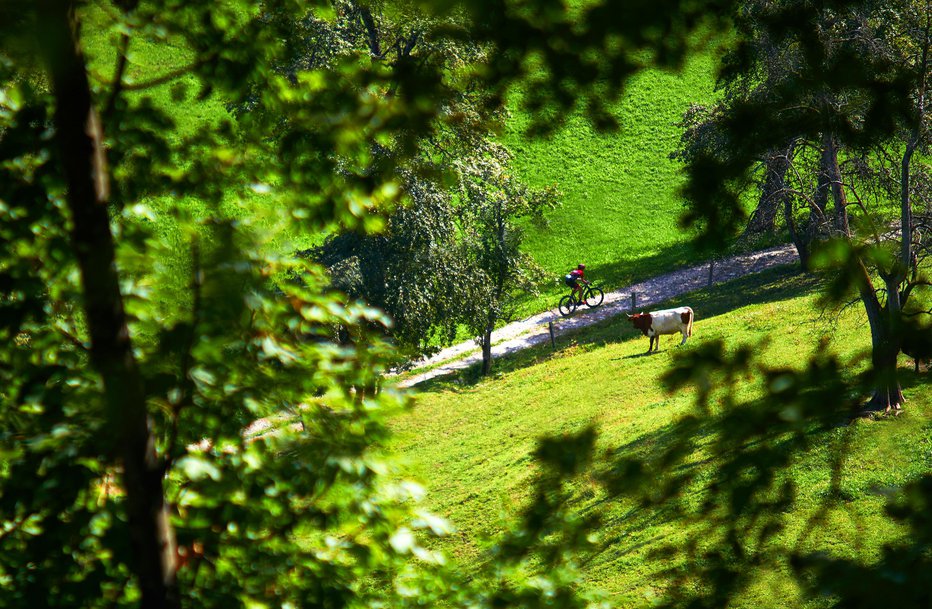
{"x": 581, "y": 267}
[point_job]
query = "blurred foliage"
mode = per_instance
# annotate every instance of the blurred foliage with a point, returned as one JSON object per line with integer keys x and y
{"x": 265, "y": 511}
{"x": 299, "y": 510}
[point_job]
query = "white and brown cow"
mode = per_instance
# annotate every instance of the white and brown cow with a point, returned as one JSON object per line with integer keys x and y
{"x": 667, "y": 321}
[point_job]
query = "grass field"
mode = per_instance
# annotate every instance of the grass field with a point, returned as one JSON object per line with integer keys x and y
{"x": 470, "y": 442}
{"x": 620, "y": 204}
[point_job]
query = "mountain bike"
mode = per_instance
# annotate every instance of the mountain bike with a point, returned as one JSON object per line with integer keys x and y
{"x": 588, "y": 294}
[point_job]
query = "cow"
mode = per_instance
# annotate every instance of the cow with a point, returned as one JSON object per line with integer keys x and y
{"x": 667, "y": 321}
{"x": 916, "y": 342}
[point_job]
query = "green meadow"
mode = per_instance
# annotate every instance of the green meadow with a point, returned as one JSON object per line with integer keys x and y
{"x": 620, "y": 207}
{"x": 470, "y": 442}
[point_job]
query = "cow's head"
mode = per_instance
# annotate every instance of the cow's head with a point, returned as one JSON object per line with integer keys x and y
{"x": 641, "y": 321}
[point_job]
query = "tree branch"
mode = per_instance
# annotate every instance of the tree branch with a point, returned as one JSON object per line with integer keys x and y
{"x": 122, "y": 52}
{"x": 372, "y": 32}
{"x": 169, "y": 76}
{"x": 812, "y": 204}
{"x": 909, "y": 288}
{"x": 74, "y": 340}
{"x": 916, "y": 313}
{"x": 860, "y": 203}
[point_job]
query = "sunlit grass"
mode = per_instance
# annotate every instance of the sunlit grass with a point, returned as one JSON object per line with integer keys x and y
{"x": 470, "y": 441}
{"x": 621, "y": 208}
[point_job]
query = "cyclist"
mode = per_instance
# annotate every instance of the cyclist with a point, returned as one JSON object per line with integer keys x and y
{"x": 575, "y": 276}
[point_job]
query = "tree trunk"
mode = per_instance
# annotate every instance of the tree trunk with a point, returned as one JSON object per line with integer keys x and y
{"x": 372, "y": 31}
{"x": 885, "y": 344}
{"x": 817, "y": 217}
{"x": 79, "y": 142}
{"x": 500, "y": 277}
{"x": 832, "y": 175}
{"x": 797, "y": 234}
{"x": 887, "y": 393}
{"x": 887, "y": 323}
{"x": 773, "y": 193}
{"x": 487, "y": 351}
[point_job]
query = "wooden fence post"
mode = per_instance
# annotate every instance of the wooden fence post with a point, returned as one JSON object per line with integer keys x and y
{"x": 553, "y": 342}
{"x": 634, "y": 301}
{"x": 711, "y": 270}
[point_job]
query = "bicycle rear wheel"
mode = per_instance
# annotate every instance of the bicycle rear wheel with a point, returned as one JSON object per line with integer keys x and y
{"x": 568, "y": 304}
{"x": 593, "y": 297}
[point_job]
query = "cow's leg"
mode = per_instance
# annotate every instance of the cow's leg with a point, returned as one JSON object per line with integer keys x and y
{"x": 650, "y": 346}
{"x": 683, "y": 332}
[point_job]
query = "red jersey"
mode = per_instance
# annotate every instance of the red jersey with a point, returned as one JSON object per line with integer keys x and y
{"x": 578, "y": 273}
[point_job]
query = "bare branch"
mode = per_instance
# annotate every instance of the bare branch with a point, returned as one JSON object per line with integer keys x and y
{"x": 169, "y": 76}
{"x": 74, "y": 340}
{"x": 860, "y": 203}
{"x": 807, "y": 199}
{"x": 848, "y": 305}
{"x": 909, "y": 288}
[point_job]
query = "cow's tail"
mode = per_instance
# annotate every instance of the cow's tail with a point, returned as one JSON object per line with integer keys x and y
{"x": 689, "y": 324}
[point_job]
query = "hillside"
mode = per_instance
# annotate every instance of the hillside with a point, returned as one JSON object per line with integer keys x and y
{"x": 620, "y": 207}
{"x": 203, "y": 410}
{"x": 470, "y": 442}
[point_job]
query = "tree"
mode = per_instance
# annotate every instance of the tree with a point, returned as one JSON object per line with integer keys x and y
{"x": 492, "y": 202}
{"x": 413, "y": 269}
{"x": 759, "y": 71}
{"x": 79, "y": 143}
{"x": 703, "y": 137}
{"x": 897, "y": 270}
{"x": 831, "y": 150}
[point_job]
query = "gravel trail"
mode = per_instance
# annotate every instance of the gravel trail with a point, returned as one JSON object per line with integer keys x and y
{"x": 535, "y": 329}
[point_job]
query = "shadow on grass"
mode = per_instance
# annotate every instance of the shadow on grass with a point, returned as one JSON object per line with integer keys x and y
{"x": 909, "y": 378}
{"x": 635, "y": 355}
{"x": 691, "y": 460}
{"x": 773, "y": 285}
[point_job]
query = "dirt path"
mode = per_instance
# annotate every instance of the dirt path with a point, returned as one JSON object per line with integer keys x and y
{"x": 535, "y": 329}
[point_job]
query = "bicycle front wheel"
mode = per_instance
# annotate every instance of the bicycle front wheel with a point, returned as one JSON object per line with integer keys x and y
{"x": 567, "y": 305}
{"x": 594, "y": 297}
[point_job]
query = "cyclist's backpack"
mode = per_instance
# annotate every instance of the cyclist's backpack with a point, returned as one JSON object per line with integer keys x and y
{"x": 569, "y": 280}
